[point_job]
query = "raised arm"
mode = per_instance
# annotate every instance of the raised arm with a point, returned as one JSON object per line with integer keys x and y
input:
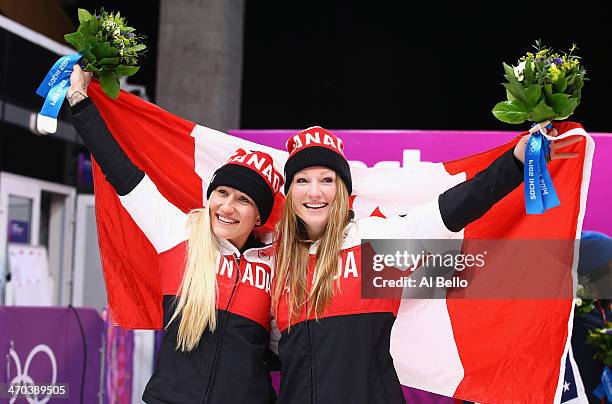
{"x": 162, "y": 222}
{"x": 469, "y": 200}
{"x": 451, "y": 211}
{"x": 119, "y": 170}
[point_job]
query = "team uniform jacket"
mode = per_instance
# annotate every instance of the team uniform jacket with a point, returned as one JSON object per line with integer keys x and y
{"x": 343, "y": 356}
{"x": 230, "y": 364}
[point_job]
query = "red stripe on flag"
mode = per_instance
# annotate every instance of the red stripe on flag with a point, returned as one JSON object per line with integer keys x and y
{"x": 160, "y": 144}
{"x": 525, "y": 352}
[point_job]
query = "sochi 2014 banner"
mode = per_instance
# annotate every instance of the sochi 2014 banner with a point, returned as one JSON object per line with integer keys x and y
{"x": 405, "y": 148}
{"x": 501, "y": 350}
{"x": 57, "y": 348}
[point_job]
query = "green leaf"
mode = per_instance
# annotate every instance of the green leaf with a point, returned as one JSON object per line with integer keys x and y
{"x": 76, "y": 40}
{"x": 542, "y": 112}
{"x": 84, "y": 29}
{"x": 548, "y": 89}
{"x": 94, "y": 26}
{"x": 561, "y": 83}
{"x": 139, "y": 47}
{"x": 87, "y": 53}
{"x": 129, "y": 29}
{"x": 509, "y": 96}
{"x": 578, "y": 83}
{"x": 103, "y": 50}
{"x": 514, "y": 86}
{"x": 557, "y": 101}
{"x": 563, "y": 106}
{"x": 514, "y": 111}
{"x": 84, "y": 15}
{"x": 517, "y": 90}
{"x": 110, "y": 84}
{"x": 577, "y": 95}
{"x": 108, "y": 61}
{"x": 528, "y": 73}
{"x": 533, "y": 94}
{"x": 93, "y": 41}
{"x": 123, "y": 70}
{"x": 509, "y": 70}
{"x": 92, "y": 68}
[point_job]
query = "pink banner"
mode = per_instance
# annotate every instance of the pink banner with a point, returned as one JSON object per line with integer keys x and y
{"x": 51, "y": 345}
{"x": 118, "y": 363}
{"x": 401, "y": 147}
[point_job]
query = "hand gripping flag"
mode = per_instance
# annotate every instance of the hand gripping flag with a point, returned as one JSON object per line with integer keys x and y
{"x": 484, "y": 350}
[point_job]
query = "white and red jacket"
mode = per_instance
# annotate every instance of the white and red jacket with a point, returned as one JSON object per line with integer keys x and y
{"x": 344, "y": 355}
{"x": 231, "y": 363}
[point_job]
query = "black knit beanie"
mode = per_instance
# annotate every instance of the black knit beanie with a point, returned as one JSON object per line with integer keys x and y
{"x": 249, "y": 172}
{"x": 313, "y": 147}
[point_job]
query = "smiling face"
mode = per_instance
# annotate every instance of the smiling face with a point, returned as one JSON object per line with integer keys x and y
{"x": 313, "y": 191}
{"x": 233, "y": 214}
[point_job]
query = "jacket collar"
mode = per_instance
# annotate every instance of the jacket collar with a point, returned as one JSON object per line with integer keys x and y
{"x": 228, "y": 248}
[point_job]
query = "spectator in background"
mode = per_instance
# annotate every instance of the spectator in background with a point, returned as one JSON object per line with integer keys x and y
{"x": 595, "y": 272}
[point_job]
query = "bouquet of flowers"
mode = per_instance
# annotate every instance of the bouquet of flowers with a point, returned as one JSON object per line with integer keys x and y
{"x": 543, "y": 86}
{"x": 110, "y": 48}
{"x": 601, "y": 339}
{"x": 585, "y": 301}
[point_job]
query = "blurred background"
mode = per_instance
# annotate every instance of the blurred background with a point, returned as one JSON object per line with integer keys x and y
{"x": 233, "y": 64}
{"x": 341, "y": 65}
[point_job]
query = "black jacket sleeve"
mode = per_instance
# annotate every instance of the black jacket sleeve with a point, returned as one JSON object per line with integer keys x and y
{"x": 468, "y": 201}
{"x": 120, "y": 172}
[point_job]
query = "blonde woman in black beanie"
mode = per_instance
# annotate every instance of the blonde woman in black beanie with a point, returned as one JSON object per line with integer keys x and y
{"x": 334, "y": 345}
{"x": 216, "y": 275}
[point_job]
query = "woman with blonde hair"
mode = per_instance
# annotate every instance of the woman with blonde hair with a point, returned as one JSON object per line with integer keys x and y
{"x": 334, "y": 344}
{"x": 216, "y": 275}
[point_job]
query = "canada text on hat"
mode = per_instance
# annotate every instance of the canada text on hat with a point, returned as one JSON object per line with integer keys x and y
{"x": 314, "y": 136}
{"x": 261, "y": 163}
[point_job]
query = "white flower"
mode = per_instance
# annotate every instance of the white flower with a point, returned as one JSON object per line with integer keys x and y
{"x": 518, "y": 71}
{"x": 578, "y": 302}
{"x": 110, "y": 27}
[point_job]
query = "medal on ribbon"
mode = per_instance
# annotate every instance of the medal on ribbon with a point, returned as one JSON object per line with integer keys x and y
{"x": 540, "y": 194}
{"x": 53, "y": 89}
{"x": 106, "y": 46}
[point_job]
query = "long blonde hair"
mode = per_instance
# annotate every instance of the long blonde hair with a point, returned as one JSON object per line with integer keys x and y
{"x": 292, "y": 257}
{"x": 198, "y": 291}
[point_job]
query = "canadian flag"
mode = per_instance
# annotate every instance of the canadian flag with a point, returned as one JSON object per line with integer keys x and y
{"x": 497, "y": 349}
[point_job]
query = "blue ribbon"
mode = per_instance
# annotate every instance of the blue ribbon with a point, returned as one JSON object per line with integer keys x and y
{"x": 56, "y": 83}
{"x": 605, "y": 387}
{"x": 540, "y": 194}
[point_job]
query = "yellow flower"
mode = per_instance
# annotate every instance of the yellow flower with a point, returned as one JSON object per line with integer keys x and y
{"x": 554, "y": 73}
{"x": 529, "y": 55}
{"x": 569, "y": 64}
